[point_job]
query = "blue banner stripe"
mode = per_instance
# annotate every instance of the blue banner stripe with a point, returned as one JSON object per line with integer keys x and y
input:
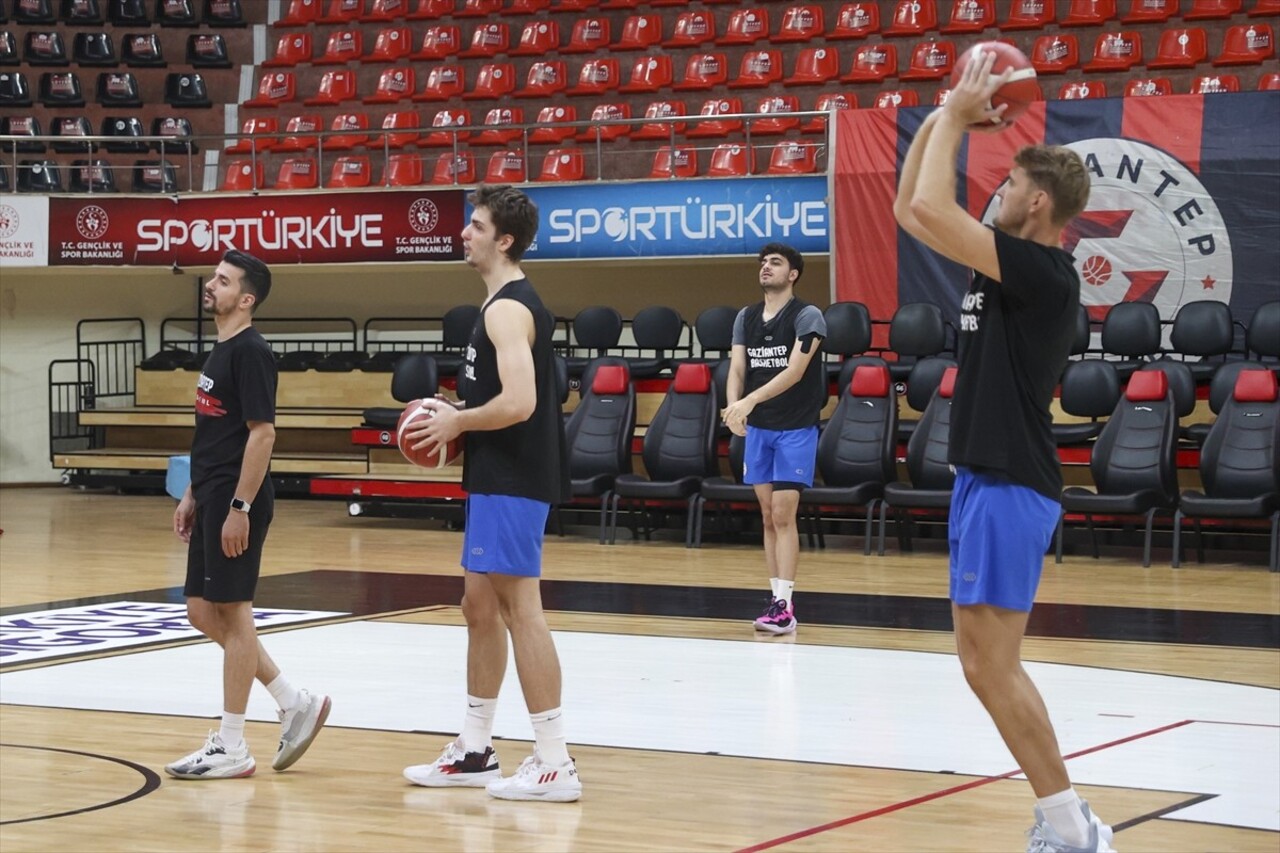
{"x": 1070, "y": 121}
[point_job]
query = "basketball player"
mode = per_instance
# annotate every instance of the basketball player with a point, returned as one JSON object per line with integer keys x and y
{"x": 1016, "y": 325}
{"x": 515, "y": 467}
{"x": 224, "y": 517}
{"x": 775, "y": 393}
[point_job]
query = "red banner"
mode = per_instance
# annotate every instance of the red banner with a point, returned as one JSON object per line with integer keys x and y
{"x": 379, "y": 225}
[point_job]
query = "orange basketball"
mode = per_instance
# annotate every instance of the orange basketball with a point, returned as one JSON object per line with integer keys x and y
{"x": 412, "y": 417}
{"x": 1021, "y": 89}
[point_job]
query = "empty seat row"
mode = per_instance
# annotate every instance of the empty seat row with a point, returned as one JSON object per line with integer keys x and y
{"x": 130, "y": 13}
{"x": 98, "y": 50}
{"x": 46, "y": 176}
{"x": 124, "y": 134}
{"x": 114, "y": 89}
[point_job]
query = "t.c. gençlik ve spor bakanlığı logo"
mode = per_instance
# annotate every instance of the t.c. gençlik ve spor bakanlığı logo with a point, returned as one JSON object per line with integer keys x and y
{"x": 92, "y": 222}
{"x": 424, "y": 216}
{"x": 9, "y": 221}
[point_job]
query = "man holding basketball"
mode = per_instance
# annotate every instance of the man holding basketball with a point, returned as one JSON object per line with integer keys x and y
{"x": 1016, "y": 326}
{"x": 224, "y": 517}
{"x": 515, "y": 467}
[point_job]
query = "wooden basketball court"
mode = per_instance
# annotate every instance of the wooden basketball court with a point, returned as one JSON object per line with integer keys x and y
{"x": 690, "y": 731}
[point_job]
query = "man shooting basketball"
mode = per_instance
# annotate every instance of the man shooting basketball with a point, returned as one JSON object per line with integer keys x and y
{"x": 1016, "y": 329}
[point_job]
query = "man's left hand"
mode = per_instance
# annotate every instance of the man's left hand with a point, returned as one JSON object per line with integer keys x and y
{"x": 235, "y": 534}
{"x": 969, "y": 103}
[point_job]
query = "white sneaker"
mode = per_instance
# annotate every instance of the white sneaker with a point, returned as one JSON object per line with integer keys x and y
{"x": 213, "y": 761}
{"x": 299, "y": 726}
{"x": 456, "y": 768}
{"x": 537, "y": 781}
{"x": 1042, "y": 838}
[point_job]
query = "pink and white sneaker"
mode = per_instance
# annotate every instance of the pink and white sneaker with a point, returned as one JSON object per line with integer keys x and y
{"x": 780, "y": 618}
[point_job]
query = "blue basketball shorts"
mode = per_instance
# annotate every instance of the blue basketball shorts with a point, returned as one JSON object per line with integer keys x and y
{"x": 780, "y": 456}
{"x": 998, "y": 531}
{"x": 504, "y": 535}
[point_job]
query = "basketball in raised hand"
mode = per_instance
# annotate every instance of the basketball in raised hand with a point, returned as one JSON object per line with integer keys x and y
{"x": 1021, "y": 88}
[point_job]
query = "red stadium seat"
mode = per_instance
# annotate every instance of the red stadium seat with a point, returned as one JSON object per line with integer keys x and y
{"x": 443, "y": 82}
{"x": 342, "y": 12}
{"x": 678, "y": 162}
{"x": 1181, "y": 48}
{"x": 640, "y": 32}
{"x": 589, "y": 35}
{"x": 1055, "y": 54}
{"x": 301, "y": 133}
{"x": 596, "y": 77}
{"x": 800, "y": 23}
{"x": 1247, "y": 44}
{"x": 402, "y": 170}
{"x": 394, "y": 84}
{"x": 441, "y": 136}
{"x": 930, "y": 60}
{"x": 731, "y": 160}
{"x": 648, "y": 74}
{"x": 545, "y": 78}
{"x": 703, "y": 71}
{"x": 793, "y": 158}
{"x": 1029, "y": 15}
{"x": 439, "y": 42}
{"x": 621, "y": 4}
{"x": 1082, "y": 90}
{"x": 971, "y": 16}
{"x": 873, "y": 63}
{"x": 343, "y": 46}
{"x": 912, "y": 18}
{"x": 301, "y": 13}
{"x": 478, "y": 9}
{"x": 608, "y": 112}
{"x": 505, "y": 167}
{"x": 746, "y": 26}
{"x": 778, "y": 122}
{"x": 1150, "y": 11}
{"x": 392, "y": 43}
{"x": 758, "y": 69}
{"x": 1089, "y": 13}
{"x": 242, "y": 176}
{"x": 1148, "y": 86}
{"x": 1212, "y": 10}
{"x": 563, "y": 164}
{"x": 455, "y": 169}
{"x": 488, "y": 40}
{"x": 1264, "y": 7}
{"x": 253, "y": 138}
{"x": 716, "y": 128}
{"x": 828, "y": 102}
{"x": 351, "y": 131}
{"x": 498, "y": 126}
{"x": 1213, "y": 84}
{"x": 692, "y": 29}
{"x": 574, "y": 5}
{"x": 351, "y": 172}
{"x": 815, "y": 66}
{"x": 551, "y": 125}
{"x": 537, "y": 38}
{"x": 895, "y": 98}
{"x": 431, "y": 10}
{"x": 298, "y": 173}
{"x": 856, "y": 21}
{"x": 526, "y": 7}
{"x": 400, "y": 129}
{"x": 495, "y": 80}
{"x": 381, "y": 11}
{"x": 661, "y": 129}
{"x": 1269, "y": 82}
{"x": 335, "y": 87}
{"x": 274, "y": 89}
{"x": 292, "y": 49}
{"x": 1116, "y": 52}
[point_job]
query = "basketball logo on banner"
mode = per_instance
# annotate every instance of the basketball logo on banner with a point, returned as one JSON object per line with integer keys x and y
{"x": 1151, "y": 231}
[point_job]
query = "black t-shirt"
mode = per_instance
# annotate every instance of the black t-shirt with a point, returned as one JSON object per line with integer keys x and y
{"x": 1015, "y": 336}
{"x": 237, "y": 385}
{"x": 528, "y": 459}
{"x": 769, "y": 346}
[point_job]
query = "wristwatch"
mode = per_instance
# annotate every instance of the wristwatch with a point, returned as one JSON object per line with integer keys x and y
{"x": 239, "y": 505}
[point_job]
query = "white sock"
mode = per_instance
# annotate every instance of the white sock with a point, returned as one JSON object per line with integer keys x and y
{"x": 773, "y": 586}
{"x": 548, "y": 735}
{"x": 232, "y": 732}
{"x": 477, "y": 730}
{"x": 1064, "y": 813}
{"x": 285, "y": 694}
{"x": 784, "y": 590}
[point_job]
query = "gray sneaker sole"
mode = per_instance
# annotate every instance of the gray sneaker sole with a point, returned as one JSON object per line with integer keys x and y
{"x": 287, "y": 758}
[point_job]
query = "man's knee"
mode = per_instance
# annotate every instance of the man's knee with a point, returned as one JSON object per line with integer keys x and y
{"x": 481, "y": 611}
{"x": 203, "y": 618}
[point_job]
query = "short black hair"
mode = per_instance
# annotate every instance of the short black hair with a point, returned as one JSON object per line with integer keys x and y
{"x": 512, "y": 212}
{"x": 794, "y": 258}
{"x": 256, "y": 275}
